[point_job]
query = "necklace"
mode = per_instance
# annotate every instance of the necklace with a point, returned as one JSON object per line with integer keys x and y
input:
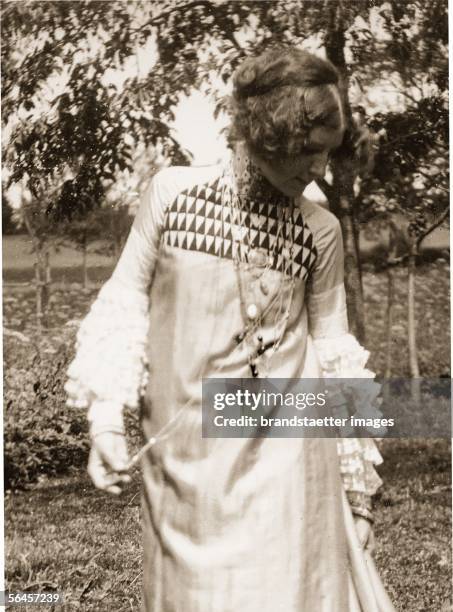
{"x": 242, "y": 256}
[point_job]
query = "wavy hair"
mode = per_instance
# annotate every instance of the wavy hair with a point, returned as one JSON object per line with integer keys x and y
{"x": 279, "y": 96}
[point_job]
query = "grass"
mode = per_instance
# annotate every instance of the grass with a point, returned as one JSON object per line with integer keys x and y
{"x": 61, "y": 274}
{"x": 67, "y": 536}
{"x": 18, "y": 254}
{"x": 66, "y": 262}
{"x": 64, "y": 534}
{"x": 413, "y": 524}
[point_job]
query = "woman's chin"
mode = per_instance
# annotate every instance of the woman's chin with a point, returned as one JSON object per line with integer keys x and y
{"x": 294, "y": 190}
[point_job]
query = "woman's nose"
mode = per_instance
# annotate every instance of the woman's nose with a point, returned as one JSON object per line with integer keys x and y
{"x": 318, "y": 165}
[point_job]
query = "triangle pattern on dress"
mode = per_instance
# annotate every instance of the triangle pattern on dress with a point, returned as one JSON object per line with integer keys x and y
{"x": 199, "y": 220}
{"x": 210, "y": 227}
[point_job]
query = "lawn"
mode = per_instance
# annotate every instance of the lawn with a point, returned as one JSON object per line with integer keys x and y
{"x": 65, "y": 535}
{"x": 66, "y": 262}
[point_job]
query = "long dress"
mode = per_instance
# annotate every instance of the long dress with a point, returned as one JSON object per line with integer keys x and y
{"x": 250, "y": 524}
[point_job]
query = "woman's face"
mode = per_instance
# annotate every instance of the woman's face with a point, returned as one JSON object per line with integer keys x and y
{"x": 292, "y": 175}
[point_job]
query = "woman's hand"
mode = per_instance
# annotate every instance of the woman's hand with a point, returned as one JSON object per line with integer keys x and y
{"x": 108, "y": 461}
{"x": 365, "y": 533}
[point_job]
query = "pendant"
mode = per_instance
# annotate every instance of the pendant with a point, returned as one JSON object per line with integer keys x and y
{"x": 252, "y": 311}
{"x": 239, "y": 233}
{"x": 264, "y": 288}
{"x": 258, "y": 257}
{"x": 254, "y": 369}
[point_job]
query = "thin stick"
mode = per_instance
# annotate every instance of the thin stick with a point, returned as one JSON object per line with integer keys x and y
{"x": 136, "y": 458}
{"x": 161, "y": 435}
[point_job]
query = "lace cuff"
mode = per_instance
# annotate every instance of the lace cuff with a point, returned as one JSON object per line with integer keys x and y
{"x": 110, "y": 360}
{"x": 344, "y": 357}
{"x": 358, "y": 456}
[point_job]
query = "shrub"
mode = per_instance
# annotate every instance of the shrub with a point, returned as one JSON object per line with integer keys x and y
{"x": 41, "y": 435}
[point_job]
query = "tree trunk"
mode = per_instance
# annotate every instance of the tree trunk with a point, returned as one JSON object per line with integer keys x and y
{"x": 394, "y": 247}
{"x": 343, "y": 172}
{"x": 412, "y": 327}
{"x": 412, "y": 340}
{"x": 38, "y": 286}
{"x": 42, "y": 268}
{"x": 47, "y": 279}
{"x": 389, "y": 321}
{"x": 84, "y": 265}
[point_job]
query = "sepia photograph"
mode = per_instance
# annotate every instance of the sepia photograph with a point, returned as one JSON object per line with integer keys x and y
{"x": 226, "y": 305}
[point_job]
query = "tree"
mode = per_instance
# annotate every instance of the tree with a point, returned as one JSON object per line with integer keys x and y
{"x": 40, "y": 229}
{"x": 80, "y": 135}
{"x": 410, "y": 183}
{"x": 409, "y": 186}
{"x": 90, "y": 128}
{"x": 81, "y": 232}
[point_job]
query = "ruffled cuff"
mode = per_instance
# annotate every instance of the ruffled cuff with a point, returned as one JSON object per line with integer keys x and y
{"x": 110, "y": 361}
{"x": 358, "y": 456}
{"x": 344, "y": 357}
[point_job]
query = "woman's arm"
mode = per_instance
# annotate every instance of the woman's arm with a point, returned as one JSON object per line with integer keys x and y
{"x": 109, "y": 365}
{"x": 109, "y": 368}
{"x": 340, "y": 355}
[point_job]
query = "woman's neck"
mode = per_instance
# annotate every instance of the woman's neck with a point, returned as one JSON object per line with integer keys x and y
{"x": 249, "y": 181}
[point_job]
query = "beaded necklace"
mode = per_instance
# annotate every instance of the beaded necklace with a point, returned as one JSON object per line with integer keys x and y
{"x": 242, "y": 254}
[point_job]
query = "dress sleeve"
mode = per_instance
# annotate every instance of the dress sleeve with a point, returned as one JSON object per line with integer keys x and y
{"x": 109, "y": 367}
{"x": 341, "y": 356}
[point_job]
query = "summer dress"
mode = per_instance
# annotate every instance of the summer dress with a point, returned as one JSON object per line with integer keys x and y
{"x": 232, "y": 525}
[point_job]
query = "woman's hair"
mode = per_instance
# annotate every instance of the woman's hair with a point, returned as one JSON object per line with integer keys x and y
{"x": 279, "y": 96}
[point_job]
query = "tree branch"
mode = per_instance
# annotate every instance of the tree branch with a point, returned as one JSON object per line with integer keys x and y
{"x": 162, "y": 16}
{"x": 207, "y": 4}
{"x": 432, "y": 227}
{"x": 405, "y": 137}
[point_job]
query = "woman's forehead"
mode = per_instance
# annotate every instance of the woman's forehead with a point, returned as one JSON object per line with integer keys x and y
{"x": 322, "y": 137}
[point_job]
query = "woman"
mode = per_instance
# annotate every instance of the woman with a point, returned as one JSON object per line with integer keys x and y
{"x": 230, "y": 272}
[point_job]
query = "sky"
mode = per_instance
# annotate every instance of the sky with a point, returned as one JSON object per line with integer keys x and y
{"x": 198, "y": 131}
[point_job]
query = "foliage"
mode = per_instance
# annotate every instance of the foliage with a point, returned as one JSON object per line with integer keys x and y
{"x": 40, "y": 435}
{"x": 84, "y": 134}
{"x": 77, "y": 137}
{"x": 9, "y": 225}
{"x": 409, "y": 49}
{"x": 80, "y": 135}
{"x": 411, "y": 171}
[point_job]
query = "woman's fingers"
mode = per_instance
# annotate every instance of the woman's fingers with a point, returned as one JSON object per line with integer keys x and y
{"x": 364, "y": 530}
{"x": 113, "y": 450}
{"x": 108, "y": 461}
{"x": 371, "y": 544}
